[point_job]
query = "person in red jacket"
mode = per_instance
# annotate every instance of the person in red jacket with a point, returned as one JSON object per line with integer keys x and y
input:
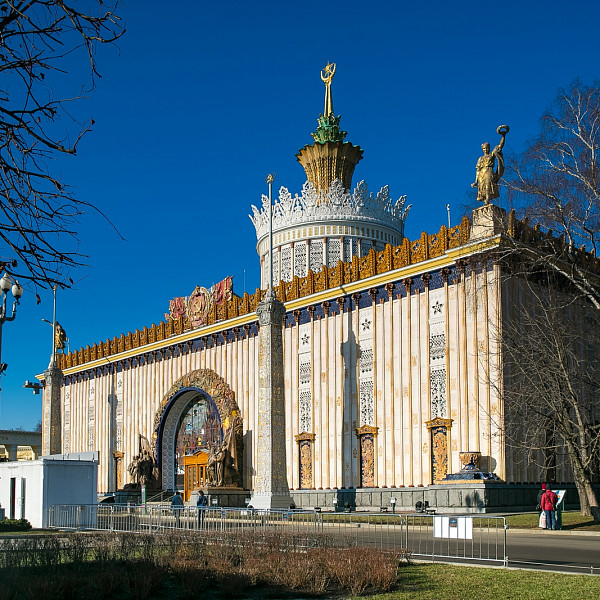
{"x": 549, "y": 500}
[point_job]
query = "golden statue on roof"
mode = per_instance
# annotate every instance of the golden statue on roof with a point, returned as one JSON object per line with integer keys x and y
{"x": 326, "y": 76}
{"x": 486, "y": 179}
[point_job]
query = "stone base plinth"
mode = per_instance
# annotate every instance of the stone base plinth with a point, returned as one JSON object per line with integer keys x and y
{"x": 233, "y": 497}
{"x": 488, "y": 220}
{"x": 460, "y": 497}
{"x": 128, "y": 497}
{"x": 271, "y": 502}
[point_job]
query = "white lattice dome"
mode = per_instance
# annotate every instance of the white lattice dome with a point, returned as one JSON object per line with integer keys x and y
{"x": 315, "y": 229}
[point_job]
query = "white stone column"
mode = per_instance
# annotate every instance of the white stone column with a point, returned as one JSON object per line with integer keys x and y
{"x": 271, "y": 489}
{"x": 11, "y": 450}
{"x": 51, "y": 430}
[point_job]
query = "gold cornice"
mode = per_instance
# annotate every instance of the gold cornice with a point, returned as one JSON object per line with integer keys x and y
{"x": 160, "y": 345}
{"x": 301, "y": 437}
{"x": 433, "y": 264}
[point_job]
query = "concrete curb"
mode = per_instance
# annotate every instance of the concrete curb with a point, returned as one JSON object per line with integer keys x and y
{"x": 561, "y": 532}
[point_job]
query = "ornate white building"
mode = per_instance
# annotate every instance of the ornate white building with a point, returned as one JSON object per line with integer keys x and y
{"x": 389, "y": 348}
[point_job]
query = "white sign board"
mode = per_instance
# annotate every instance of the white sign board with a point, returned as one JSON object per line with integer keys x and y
{"x": 458, "y": 528}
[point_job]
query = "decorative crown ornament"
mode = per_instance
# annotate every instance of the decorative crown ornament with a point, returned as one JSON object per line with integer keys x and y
{"x": 336, "y": 205}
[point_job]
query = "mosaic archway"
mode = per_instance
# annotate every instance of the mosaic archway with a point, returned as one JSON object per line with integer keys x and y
{"x": 205, "y": 384}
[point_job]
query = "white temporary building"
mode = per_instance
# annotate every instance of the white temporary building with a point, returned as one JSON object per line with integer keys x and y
{"x": 29, "y": 488}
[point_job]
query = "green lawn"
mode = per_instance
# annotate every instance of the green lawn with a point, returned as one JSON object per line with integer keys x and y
{"x": 449, "y": 582}
{"x": 571, "y": 520}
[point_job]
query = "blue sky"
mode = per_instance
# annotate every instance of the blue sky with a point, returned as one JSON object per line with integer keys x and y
{"x": 201, "y": 100}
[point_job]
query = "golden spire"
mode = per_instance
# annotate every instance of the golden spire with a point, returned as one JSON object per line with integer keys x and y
{"x": 326, "y": 76}
{"x": 329, "y": 158}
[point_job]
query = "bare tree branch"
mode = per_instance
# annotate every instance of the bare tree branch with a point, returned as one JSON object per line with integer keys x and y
{"x": 39, "y": 214}
{"x": 551, "y": 344}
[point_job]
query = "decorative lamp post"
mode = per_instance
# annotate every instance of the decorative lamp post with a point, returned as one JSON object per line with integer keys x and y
{"x": 269, "y": 180}
{"x": 271, "y": 490}
{"x": 6, "y": 285}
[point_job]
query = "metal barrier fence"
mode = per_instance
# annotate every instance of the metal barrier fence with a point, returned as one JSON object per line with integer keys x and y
{"x": 115, "y": 517}
{"x": 464, "y": 538}
{"x": 383, "y": 531}
{"x": 339, "y": 529}
{"x": 426, "y": 536}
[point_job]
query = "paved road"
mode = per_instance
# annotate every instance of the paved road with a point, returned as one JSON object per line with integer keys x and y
{"x": 555, "y": 550}
{"x": 531, "y": 549}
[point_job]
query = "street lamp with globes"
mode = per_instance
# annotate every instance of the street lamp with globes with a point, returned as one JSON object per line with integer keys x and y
{"x": 6, "y": 285}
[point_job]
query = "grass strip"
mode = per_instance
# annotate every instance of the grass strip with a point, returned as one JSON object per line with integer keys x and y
{"x": 450, "y": 582}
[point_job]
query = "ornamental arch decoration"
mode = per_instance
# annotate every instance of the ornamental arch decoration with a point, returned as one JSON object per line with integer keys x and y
{"x": 202, "y": 384}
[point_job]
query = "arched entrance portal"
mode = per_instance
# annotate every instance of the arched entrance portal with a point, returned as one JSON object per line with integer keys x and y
{"x": 198, "y": 413}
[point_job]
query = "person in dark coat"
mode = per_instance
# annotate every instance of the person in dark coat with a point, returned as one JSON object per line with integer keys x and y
{"x": 201, "y": 503}
{"x": 176, "y": 506}
{"x": 549, "y": 501}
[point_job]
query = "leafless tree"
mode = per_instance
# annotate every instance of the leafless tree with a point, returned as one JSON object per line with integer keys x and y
{"x": 550, "y": 344}
{"x": 550, "y": 364}
{"x": 39, "y": 41}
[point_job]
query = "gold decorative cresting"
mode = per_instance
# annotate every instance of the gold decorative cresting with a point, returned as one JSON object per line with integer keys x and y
{"x": 425, "y": 247}
{"x": 329, "y": 158}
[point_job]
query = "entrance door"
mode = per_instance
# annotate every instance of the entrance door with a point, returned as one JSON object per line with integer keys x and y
{"x": 17, "y": 498}
{"x": 194, "y": 477}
